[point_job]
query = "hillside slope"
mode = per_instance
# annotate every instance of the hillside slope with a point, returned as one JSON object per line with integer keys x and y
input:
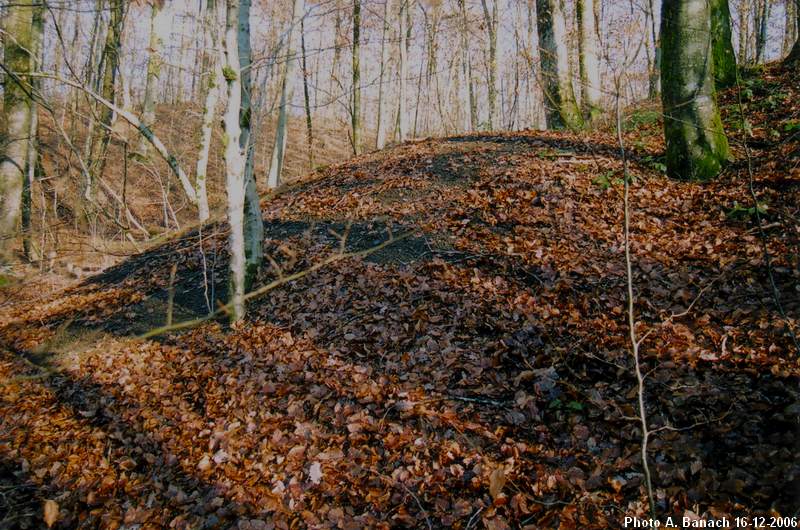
{"x": 475, "y": 373}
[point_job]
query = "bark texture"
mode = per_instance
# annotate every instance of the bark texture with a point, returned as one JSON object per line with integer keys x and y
{"x": 17, "y": 106}
{"x": 696, "y": 144}
{"x": 234, "y": 162}
{"x": 722, "y": 45}
{"x": 589, "y": 61}
{"x": 559, "y": 96}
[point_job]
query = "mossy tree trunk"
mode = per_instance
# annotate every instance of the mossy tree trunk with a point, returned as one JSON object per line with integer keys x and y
{"x": 253, "y": 220}
{"x": 793, "y": 59}
{"x": 559, "y": 96}
{"x": 234, "y": 162}
{"x": 722, "y": 45}
{"x": 17, "y": 105}
{"x": 696, "y": 144}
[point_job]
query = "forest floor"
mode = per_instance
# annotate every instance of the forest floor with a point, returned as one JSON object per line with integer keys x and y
{"x": 475, "y": 374}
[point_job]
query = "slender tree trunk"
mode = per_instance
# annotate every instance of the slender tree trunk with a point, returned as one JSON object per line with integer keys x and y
{"x": 279, "y": 148}
{"x": 471, "y": 115}
{"x": 32, "y": 165}
{"x": 761, "y": 37}
{"x": 380, "y": 141}
{"x": 589, "y": 61}
{"x": 234, "y": 163}
{"x": 696, "y": 144}
{"x": 654, "y": 86}
{"x": 253, "y": 220}
{"x": 159, "y": 26}
{"x": 491, "y": 28}
{"x": 402, "y": 115}
{"x": 744, "y": 30}
{"x": 212, "y": 87}
{"x": 562, "y": 108}
{"x": 356, "y": 115}
{"x": 111, "y": 55}
{"x": 306, "y": 98}
{"x": 722, "y": 47}
{"x": 17, "y": 107}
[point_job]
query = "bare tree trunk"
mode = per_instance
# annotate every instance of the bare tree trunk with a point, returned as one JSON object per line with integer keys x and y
{"x": 589, "y": 61}
{"x": 654, "y": 86}
{"x": 721, "y": 45}
{"x": 402, "y": 116}
{"x": 32, "y": 165}
{"x": 306, "y": 98}
{"x": 159, "y": 26}
{"x": 356, "y": 115}
{"x": 279, "y": 148}
{"x": 790, "y": 28}
{"x": 491, "y": 29}
{"x": 562, "y": 108}
{"x": 234, "y": 162}
{"x": 762, "y": 26}
{"x": 111, "y": 54}
{"x": 253, "y": 220}
{"x": 380, "y": 141}
{"x": 696, "y": 144}
{"x": 17, "y": 107}
{"x": 213, "y": 87}
{"x": 744, "y": 30}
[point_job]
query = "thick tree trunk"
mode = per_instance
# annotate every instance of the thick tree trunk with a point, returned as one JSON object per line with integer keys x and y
{"x": 491, "y": 29}
{"x": 789, "y": 26}
{"x": 356, "y": 115}
{"x": 793, "y": 59}
{"x": 17, "y": 105}
{"x": 234, "y": 162}
{"x": 213, "y": 86}
{"x": 380, "y": 141}
{"x": 281, "y": 133}
{"x": 589, "y": 61}
{"x": 722, "y": 46}
{"x": 561, "y": 106}
{"x": 159, "y": 27}
{"x": 696, "y": 144}
{"x": 253, "y": 220}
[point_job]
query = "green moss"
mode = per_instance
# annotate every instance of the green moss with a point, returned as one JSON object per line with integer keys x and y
{"x": 229, "y": 73}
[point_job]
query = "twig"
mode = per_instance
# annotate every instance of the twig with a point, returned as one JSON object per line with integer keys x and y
{"x": 225, "y": 308}
{"x": 631, "y": 314}
{"x": 423, "y": 510}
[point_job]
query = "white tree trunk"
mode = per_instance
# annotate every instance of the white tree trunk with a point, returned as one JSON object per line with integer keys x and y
{"x": 589, "y": 61}
{"x": 213, "y": 86}
{"x": 253, "y": 221}
{"x": 279, "y": 149}
{"x": 159, "y": 29}
{"x": 234, "y": 161}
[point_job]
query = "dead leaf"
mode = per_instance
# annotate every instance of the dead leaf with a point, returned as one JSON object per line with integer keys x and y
{"x": 50, "y": 512}
{"x": 497, "y": 480}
